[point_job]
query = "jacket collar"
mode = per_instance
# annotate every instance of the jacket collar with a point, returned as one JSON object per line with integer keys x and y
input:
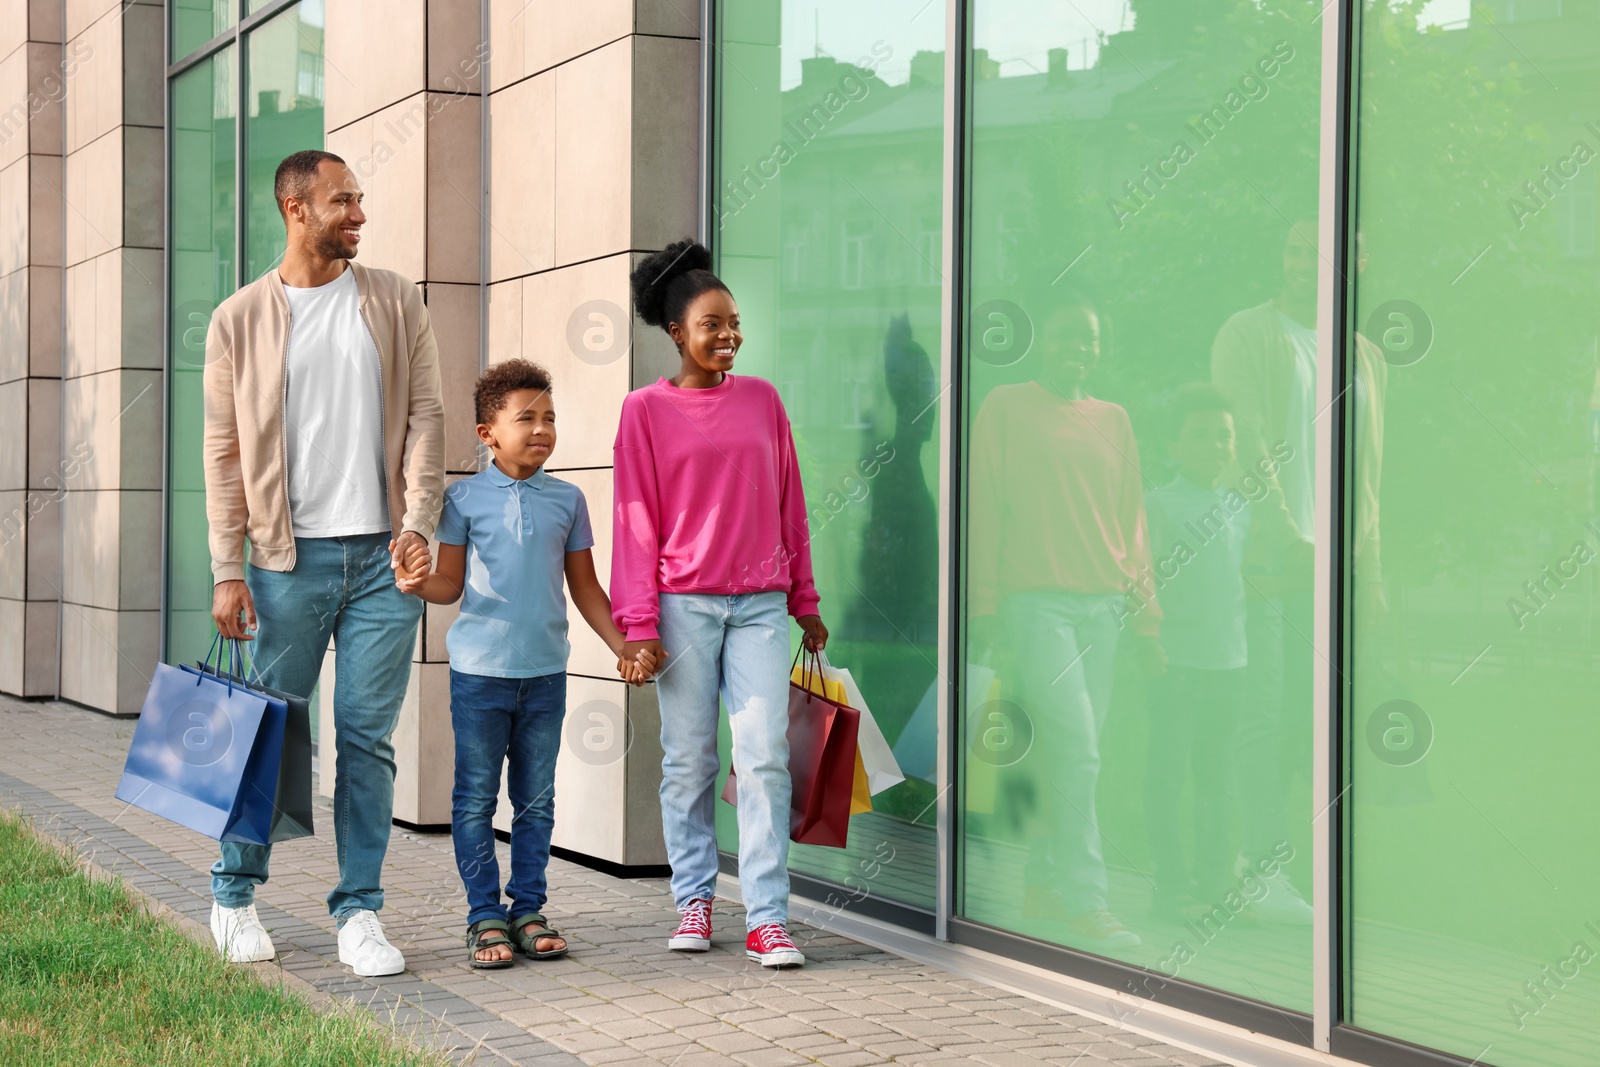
{"x": 274, "y": 285}
{"x": 500, "y": 478}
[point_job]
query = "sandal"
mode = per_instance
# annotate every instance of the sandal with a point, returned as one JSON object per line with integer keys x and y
{"x": 487, "y": 933}
{"x": 527, "y": 943}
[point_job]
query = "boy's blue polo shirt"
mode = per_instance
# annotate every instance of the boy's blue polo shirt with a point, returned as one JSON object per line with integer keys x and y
{"x": 513, "y": 621}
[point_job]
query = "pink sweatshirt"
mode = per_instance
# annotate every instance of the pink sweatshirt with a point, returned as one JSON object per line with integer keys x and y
{"x": 1057, "y": 502}
{"x": 707, "y": 500}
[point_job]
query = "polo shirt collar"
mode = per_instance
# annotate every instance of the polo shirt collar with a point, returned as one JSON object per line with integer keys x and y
{"x": 500, "y": 478}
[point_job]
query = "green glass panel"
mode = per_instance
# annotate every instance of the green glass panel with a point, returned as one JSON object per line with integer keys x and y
{"x": 203, "y": 272}
{"x": 1472, "y": 919}
{"x": 285, "y": 116}
{"x": 829, "y": 148}
{"x": 194, "y": 22}
{"x": 1140, "y": 384}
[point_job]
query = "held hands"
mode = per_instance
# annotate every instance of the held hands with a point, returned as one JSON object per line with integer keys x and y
{"x": 409, "y": 558}
{"x": 1151, "y": 656}
{"x": 638, "y": 661}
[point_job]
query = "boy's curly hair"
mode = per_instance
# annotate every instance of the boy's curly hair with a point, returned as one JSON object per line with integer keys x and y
{"x": 503, "y": 379}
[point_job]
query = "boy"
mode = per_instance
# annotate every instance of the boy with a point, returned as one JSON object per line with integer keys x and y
{"x": 507, "y": 536}
{"x": 1197, "y": 539}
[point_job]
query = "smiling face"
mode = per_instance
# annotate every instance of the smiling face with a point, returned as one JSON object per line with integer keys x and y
{"x": 522, "y": 434}
{"x": 1205, "y": 446}
{"x": 327, "y": 221}
{"x": 1069, "y": 348}
{"x": 709, "y": 337}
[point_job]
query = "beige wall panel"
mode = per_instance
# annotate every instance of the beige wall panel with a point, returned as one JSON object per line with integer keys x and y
{"x": 15, "y": 315}
{"x": 454, "y": 166}
{"x": 14, "y": 532}
{"x": 454, "y": 312}
{"x": 43, "y": 547}
{"x": 44, "y": 434}
{"x": 645, "y": 844}
{"x": 533, "y": 36}
{"x": 113, "y": 549}
{"x": 94, "y": 193}
{"x": 666, "y": 117}
{"x": 376, "y": 54}
{"x": 144, "y": 169}
{"x": 575, "y": 323}
{"x": 39, "y": 655}
{"x": 388, "y": 152}
{"x": 107, "y": 657}
{"x": 593, "y": 153}
{"x": 143, "y": 66}
{"x": 14, "y": 435}
{"x": 667, "y": 18}
{"x": 14, "y": 216}
{"x": 136, "y": 273}
{"x": 12, "y": 621}
{"x": 44, "y": 321}
{"x": 505, "y": 320}
{"x": 94, "y": 101}
{"x": 114, "y": 425}
{"x": 522, "y": 200}
{"x": 590, "y": 654}
{"x": 456, "y": 47}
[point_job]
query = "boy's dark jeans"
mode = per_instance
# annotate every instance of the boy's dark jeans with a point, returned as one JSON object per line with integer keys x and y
{"x": 1193, "y": 733}
{"x": 495, "y": 720}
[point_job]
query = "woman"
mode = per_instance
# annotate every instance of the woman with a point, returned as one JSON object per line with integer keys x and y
{"x": 710, "y": 553}
{"x": 1059, "y": 568}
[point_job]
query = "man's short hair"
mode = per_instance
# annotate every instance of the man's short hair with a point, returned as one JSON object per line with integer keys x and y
{"x": 295, "y": 174}
{"x": 500, "y": 381}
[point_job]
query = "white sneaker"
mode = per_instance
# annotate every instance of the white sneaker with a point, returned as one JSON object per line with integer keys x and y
{"x": 1283, "y": 903}
{"x": 364, "y": 949}
{"x": 239, "y": 934}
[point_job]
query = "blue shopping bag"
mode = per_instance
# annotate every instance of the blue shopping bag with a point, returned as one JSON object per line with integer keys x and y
{"x": 205, "y": 754}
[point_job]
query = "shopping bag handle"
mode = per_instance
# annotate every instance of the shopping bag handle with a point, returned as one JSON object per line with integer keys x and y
{"x": 235, "y": 662}
{"x": 811, "y": 666}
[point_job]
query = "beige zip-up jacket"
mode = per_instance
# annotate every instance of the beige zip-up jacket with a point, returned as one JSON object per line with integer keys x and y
{"x": 246, "y": 452}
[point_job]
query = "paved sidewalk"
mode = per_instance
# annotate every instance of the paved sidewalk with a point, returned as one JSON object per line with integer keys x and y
{"x": 620, "y": 998}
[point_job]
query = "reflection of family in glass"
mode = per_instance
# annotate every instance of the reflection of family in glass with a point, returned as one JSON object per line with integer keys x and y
{"x": 1075, "y": 549}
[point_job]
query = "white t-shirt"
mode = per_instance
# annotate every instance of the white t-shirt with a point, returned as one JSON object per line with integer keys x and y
{"x": 334, "y": 414}
{"x": 1297, "y": 477}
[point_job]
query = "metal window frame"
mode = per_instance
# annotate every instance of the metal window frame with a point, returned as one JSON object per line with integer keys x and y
{"x": 1022, "y": 963}
{"x": 237, "y": 34}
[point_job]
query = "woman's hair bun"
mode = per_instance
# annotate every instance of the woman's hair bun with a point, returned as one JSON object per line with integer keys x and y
{"x": 681, "y": 271}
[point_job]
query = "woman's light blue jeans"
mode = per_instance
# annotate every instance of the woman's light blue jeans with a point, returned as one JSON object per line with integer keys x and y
{"x": 738, "y": 647}
{"x": 343, "y": 588}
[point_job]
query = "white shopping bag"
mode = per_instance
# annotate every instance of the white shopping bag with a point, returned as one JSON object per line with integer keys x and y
{"x": 916, "y": 748}
{"x": 876, "y": 757}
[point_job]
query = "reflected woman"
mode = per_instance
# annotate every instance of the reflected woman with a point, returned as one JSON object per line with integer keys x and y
{"x": 1059, "y": 566}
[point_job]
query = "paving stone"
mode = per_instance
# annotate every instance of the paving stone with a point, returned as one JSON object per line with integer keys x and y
{"x": 620, "y": 997}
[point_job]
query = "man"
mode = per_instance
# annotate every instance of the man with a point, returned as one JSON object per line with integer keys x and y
{"x": 1264, "y": 359}
{"x": 324, "y": 447}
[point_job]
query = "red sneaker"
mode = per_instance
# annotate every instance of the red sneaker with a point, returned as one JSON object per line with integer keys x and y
{"x": 694, "y": 928}
{"x": 770, "y": 945}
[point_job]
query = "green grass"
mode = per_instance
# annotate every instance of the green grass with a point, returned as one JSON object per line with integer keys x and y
{"x": 89, "y": 977}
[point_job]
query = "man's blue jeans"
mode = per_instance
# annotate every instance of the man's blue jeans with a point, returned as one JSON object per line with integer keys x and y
{"x": 343, "y": 588}
{"x": 498, "y": 720}
{"x": 737, "y": 646}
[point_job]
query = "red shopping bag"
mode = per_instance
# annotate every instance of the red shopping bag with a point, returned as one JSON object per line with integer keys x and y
{"x": 822, "y": 767}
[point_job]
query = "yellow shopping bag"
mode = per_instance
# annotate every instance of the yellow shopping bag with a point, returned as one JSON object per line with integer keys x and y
{"x": 982, "y": 774}
{"x": 833, "y": 689}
